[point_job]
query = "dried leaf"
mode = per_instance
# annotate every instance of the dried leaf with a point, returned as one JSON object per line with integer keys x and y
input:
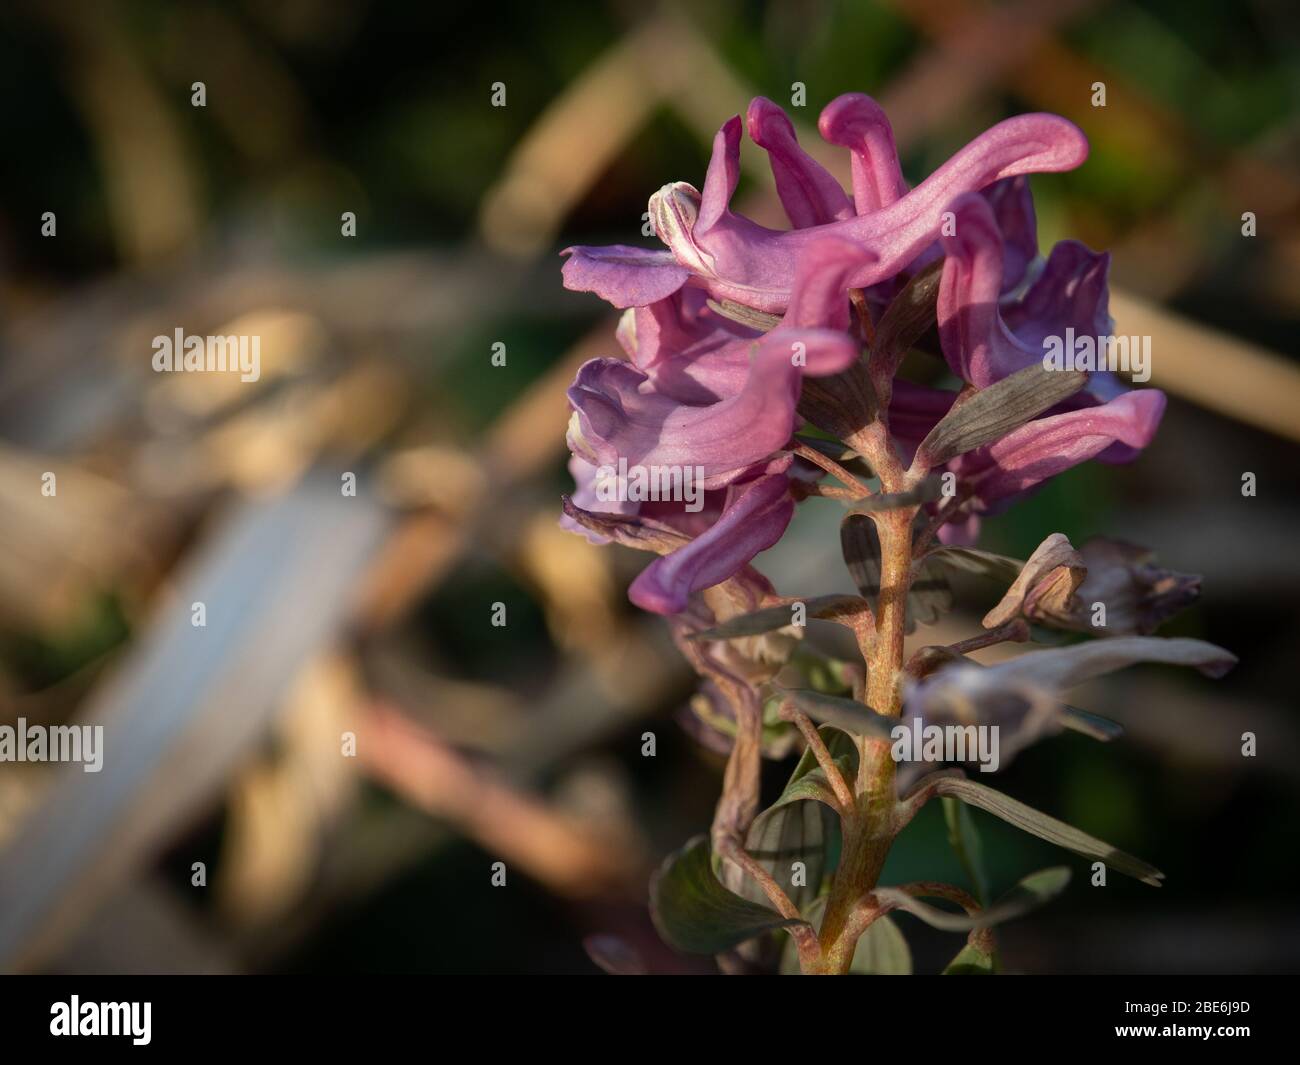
{"x": 1030, "y": 893}
{"x": 1048, "y": 580}
{"x": 993, "y": 412}
{"x": 929, "y": 597}
{"x": 1063, "y": 667}
{"x": 964, "y": 839}
{"x": 907, "y": 318}
{"x": 1138, "y": 594}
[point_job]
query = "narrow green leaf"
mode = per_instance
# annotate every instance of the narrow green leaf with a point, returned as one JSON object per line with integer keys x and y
{"x": 812, "y": 785}
{"x": 843, "y": 751}
{"x": 694, "y": 913}
{"x": 882, "y": 951}
{"x": 993, "y": 412}
{"x": 927, "y": 491}
{"x": 778, "y": 617}
{"x": 971, "y": 961}
{"x": 1027, "y": 819}
{"x": 1094, "y": 725}
{"x": 964, "y": 839}
{"x": 847, "y": 714}
{"x": 808, "y": 781}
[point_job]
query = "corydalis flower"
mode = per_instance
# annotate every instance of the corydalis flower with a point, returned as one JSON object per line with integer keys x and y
{"x": 719, "y": 395}
{"x": 736, "y": 259}
{"x": 724, "y": 405}
{"x": 740, "y": 337}
{"x": 1138, "y": 594}
{"x": 977, "y": 335}
{"x": 1022, "y": 697}
{"x": 663, "y": 418}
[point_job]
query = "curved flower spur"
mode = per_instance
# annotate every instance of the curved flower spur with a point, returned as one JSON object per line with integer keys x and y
{"x": 762, "y": 368}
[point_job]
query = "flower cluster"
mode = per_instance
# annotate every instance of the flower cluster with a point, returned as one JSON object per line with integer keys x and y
{"x": 765, "y": 362}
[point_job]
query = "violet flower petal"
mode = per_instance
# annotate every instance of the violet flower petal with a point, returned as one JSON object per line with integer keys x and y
{"x": 1051, "y": 445}
{"x": 808, "y": 192}
{"x": 819, "y": 298}
{"x": 623, "y": 275}
{"x": 1072, "y": 292}
{"x": 979, "y": 347}
{"x": 680, "y": 325}
{"x": 755, "y": 517}
{"x": 1013, "y": 208}
{"x": 585, "y": 498}
{"x": 976, "y": 333}
{"x": 616, "y": 416}
{"x": 738, "y": 259}
{"x": 855, "y": 121}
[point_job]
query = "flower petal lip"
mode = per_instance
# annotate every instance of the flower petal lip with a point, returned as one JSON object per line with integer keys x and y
{"x": 623, "y": 275}
{"x": 654, "y": 417}
{"x": 617, "y": 417}
{"x": 810, "y": 195}
{"x": 979, "y": 341}
{"x": 1013, "y": 207}
{"x": 977, "y": 344}
{"x": 819, "y": 297}
{"x": 689, "y": 352}
{"x": 754, "y": 518}
{"x": 1054, "y": 444}
{"x": 1071, "y": 292}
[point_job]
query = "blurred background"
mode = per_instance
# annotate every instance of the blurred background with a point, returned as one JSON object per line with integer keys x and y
{"x": 371, "y": 614}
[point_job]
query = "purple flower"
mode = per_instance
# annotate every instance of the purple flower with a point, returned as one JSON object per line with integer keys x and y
{"x": 986, "y": 336}
{"x": 858, "y": 123}
{"x": 618, "y": 414}
{"x": 751, "y": 517}
{"x": 754, "y": 517}
{"x": 1051, "y": 445}
{"x": 978, "y": 338}
{"x": 734, "y": 258}
{"x": 707, "y": 393}
{"x": 722, "y": 404}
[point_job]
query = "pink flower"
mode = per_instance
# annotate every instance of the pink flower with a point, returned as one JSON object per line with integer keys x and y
{"x": 734, "y": 258}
